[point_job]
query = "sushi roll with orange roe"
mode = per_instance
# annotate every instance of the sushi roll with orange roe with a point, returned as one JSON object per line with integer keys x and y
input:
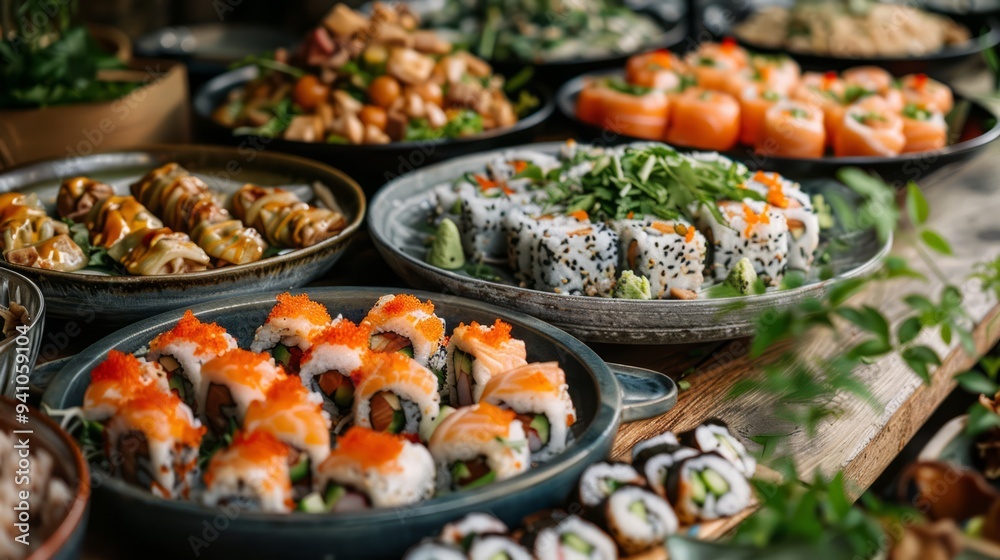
{"x": 230, "y": 383}
{"x": 715, "y": 64}
{"x": 538, "y": 393}
{"x": 184, "y": 349}
{"x": 871, "y": 78}
{"x": 708, "y": 120}
{"x": 118, "y": 379}
{"x": 395, "y": 394}
{"x": 925, "y": 130}
{"x": 294, "y": 415}
{"x": 478, "y": 445}
{"x": 402, "y": 323}
{"x": 476, "y": 353}
{"x": 803, "y": 224}
{"x": 374, "y": 469}
{"x": 152, "y": 441}
{"x": 754, "y": 103}
{"x": 252, "y": 472}
{"x": 922, "y": 91}
{"x": 870, "y": 128}
{"x": 289, "y": 329}
{"x": 624, "y": 109}
{"x": 337, "y": 351}
{"x": 792, "y": 129}
{"x": 660, "y": 69}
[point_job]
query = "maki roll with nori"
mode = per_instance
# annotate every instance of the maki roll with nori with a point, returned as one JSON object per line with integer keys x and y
{"x": 463, "y": 531}
{"x": 659, "y": 439}
{"x": 707, "y": 486}
{"x": 182, "y": 351}
{"x": 395, "y": 394}
{"x": 556, "y": 535}
{"x": 497, "y": 547}
{"x": 289, "y": 329}
{"x": 430, "y": 550}
{"x": 600, "y": 480}
{"x": 229, "y": 383}
{"x": 118, "y": 379}
{"x": 252, "y": 473}
{"x": 478, "y": 445}
{"x": 402, "y": 323}
{"x": 336, "y": 352}
{"x": 476, "y": 353}
{"x": 374, "y": 469}
{"x": 750, "y": 228}
{"x": 655, "y": 461}
{"x": 715, "y": 436}
{"x": 671, "y": 254}
{"x": 538, "y": 393}
{"x": 636, "y": 519}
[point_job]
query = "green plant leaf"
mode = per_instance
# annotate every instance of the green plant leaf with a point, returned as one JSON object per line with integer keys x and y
{"x": 981, "y": 420}
{"x": 916, "y": 204}
{"x": 935, "y": 242}
{"x": 908, "y": 330}
{"x": 977, "y": 383}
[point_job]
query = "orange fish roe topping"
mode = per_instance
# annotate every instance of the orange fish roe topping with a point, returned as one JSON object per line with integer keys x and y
{"x": 486, "y": 184}
{"x": 519, "y": 165}
{"x": 160, "y": 416}
{"x": 210, "y": 337}
{"x": 258, "y": 447}
{"x": 580, "y": 215}
{"x": 118, "y": 366}
{"x": 342, "y": 333}
{"x": 663, "y": 228}
{"x": 775, "y": 194}
{"x": 299, "y": 307}
{"x": 287, "y": 390}
{"x": 689, "y": 236}
{"x": 368, "y": 448}
{"x": 430, "y": 328}
{"x": 244, "y": 367}
{"x": 288, "y": 410}
{"x": 495, "y": 335}
{"x": 753, "y": 219}
{"x": 629, "y": 215}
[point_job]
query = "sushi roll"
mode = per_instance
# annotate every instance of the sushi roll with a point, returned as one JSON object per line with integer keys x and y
{"x": 670, "y": 254}
{"x": 923, "y": 91}
{"x": 326, "y": 367}
{"x": 668, "y": 438}
{"x": 752, "y": 229}
{"x": 803, "y": 223}
{"x": 829, "y": 93}
{"x": 792, "y": 129}
{"x": 395, "y": 394}
{"x": 495, "y": 547}
{"x": 295, "y": 416}
{"x": 716, "y": 64}
{"x": 524, "y": 226}
{"x": 229, "y": 383}
{"x": 925, "y": 130}
{"x": 289, "y": 329}
{"x": 655, "y": 460}
{"x": 715, "y": 436}
{"x": 538, "y": 393}
{"x": 870, "y": 128}
{"x": 252, "y": 472}
{"x": 152, "y": 441}
{"x": 374, "y": 469}
{"x": 636, "y": 519}
{"x": 777, "y": 73}
{"x": 480, "y": 218}
{"x": 478, "y": 445}
{"x": 431, "y": 550}
{"x": 660, "y": 69}
{"x": 118, "y": 379}
{"x": 704, "y": 119}
{"x": 600, "y": 480}
{"x": 575, "y": 256}
{"x": 754, "y": 104}
{"x": 869, "y": 78}
{"x": 475, "y": 354}
{"x": 556, "y": 535}
{"x": 182, "y": 351}
{"x": 402, "y": 323}
{"x": 474, "y": 525}
{"x": 707, "y": 486}
{"x": 624, "y": 109}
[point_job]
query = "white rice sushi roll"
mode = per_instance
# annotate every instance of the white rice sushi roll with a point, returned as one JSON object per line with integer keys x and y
{"x": 803, "y": 223}
{"x": 431, "y": 550}
{"x": 538, "y": 393}
{"x": 337, "y": 351}
{"x": 524, "y": 226}
{"x": 752, "y": 229}
{"x": 600, "y": 480}
{"x": 481, "y": 221}
{"x": 184, "y": 349}
{"x": 493, "y": 547}
{"x": 478, "y": 445}
{"x": 715, "y": 436}
{"x": 118, "y": 379}
{"x": 655, "y": 460}
{"x": 395, "y": 394}
{"x": 289, "y": 329}
{"x": 230, "y": 383}
{"x": 555, "y": 535}
{"x": 471, "y": 526}
{"x": 575, "y": 256}
{"x": 671, "y": 254}
{"x": 477, "y": 353}
{"x": 637, "y": 519}
{"x": 252, "y": 472}
{"x": 374, "y": 469}
{"x": 707, "y": 486}
{"x": 402, "y": 323}
{"x": 665, "y": 438}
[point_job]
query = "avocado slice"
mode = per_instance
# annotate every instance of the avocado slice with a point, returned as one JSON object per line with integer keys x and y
{"x": 714, "y": 482}
{"x": 398, "y": 422}
{"x": 575, "y": 542}
{"x": 463, "y": 363}
{"x": 487, "y": 478}
{"x": 312, "y": 503}
{"x": 638, "y": 508}
{"x": 459, "y": 471}
{"x": 300, "y": 469}
{"x": 698, "y": 490}
{"x": 541, "y": 426}
{"x": 407, "y": 351}
{"x": 281, "y": 354}
{"x": 610, "y": 485}
{"x": 334, "y": 493}
{"x": 176, "y": 383}
{"x": 344, "y": 396}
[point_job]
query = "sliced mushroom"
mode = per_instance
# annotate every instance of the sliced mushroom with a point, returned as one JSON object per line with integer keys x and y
{"x": 305, "y": 128}
{"x": 453, "y": 68}
{"x": 393, "y": 35}
{"x": 435, "y": 115}
{"x": 346, "y": 102}
{"x": 430, "y": 42}
{"x": 409, "y": 66}
{"x": 415, "y": 106}
{"x": 477, "y": 66}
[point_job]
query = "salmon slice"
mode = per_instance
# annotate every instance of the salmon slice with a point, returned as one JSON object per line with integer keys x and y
{"x": 754, "y": 103}
{"x": 657, "y": 69}
{"x": 640, "y": 116}
{"x": 871, "y": 78}
{"x": 924, "y": 131}
{"x": 870, "y": 129}
{"x": 793, "y": 129}
{"x": 704, "y": 119}
{"x": 922, "y": 91}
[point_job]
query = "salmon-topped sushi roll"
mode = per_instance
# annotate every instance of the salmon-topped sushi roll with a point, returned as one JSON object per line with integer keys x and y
{"x": 184, "y": 349}
{"x": 709, "y": 120}
{"x": 829, "y": 93}
{"x": 395, "y": 394}
{"x": 871, "y": 78}
{"x": 152, "y": 441}
{"x": 716, "y": 64}
{"x": 252, "y": 472}
{"x": 754, "y": 103}
{"x": 792, "y": 129}
{"x": 661, "y": 69}
{"x": 118, "y": 379}
{"x": 478, "y": 445}
{"x": 777, "y": 73}
{"x": 803, "y": 224}
{"x": 294, "y": 415}
{"x": 924, "y": 130}
{"x": 337, "y": 351}
{"x": 402, "y": 323}
{"x": 289, "y": 329}
{"x": 475, "y": 354}
{"x": 870, "y": 129}
{"x": 624, "y": 109}
{"x": 923, "y": 91}
{"x": 230, "y": 383}
{"x": 374, "y": 469}
{"x": 538, "y": 393}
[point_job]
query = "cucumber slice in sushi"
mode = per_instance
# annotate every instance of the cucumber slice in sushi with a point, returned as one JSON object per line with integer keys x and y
{"x": 176, "y": 383}
{"x": 408, "y": 351}
{"x": 714, "y": 482}
{"x": 542, "y": 427}
{"x": 398, "y": 422}
{"x": 281, "y": 354}
{"x": 313, "y": 503}
{"x": 300, "y": 469}
{"x": 638, "y": 508}
{"x": 698, "y": 490}
{"x": 576, "y": 543}
{"x": 344, "y": 396}
{"x": 334, "y": 493}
